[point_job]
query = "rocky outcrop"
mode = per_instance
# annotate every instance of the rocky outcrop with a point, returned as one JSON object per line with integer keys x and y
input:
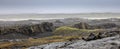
{"x": 90, "y": 37}
{"x": 105, "y": 43}
{"x": 106, "y": 25}
{"x": 100, "y": 35}
{"x": 82, "y": 25}
{"x": 28, "y": 29}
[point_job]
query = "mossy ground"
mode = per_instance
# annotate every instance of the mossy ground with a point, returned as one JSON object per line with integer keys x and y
{"x": 59, "y": 36}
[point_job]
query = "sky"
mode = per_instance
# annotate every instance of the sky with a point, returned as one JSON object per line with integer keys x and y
{"x": 58, "y": 6}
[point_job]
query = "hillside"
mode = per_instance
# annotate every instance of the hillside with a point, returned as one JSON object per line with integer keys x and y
{"x": 27, "y": 33}
{"x": 34, "y": 28}
{"x": 105, "y": 43}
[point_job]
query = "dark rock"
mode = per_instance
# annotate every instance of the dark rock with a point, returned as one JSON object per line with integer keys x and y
{"x": 118, "y": 47}
{"x": 112, "y": 33}
{"x": 106, "y": 25}
{"x": 113, "y": 43}
{"x": 99, "y": 36}
{"x": 82, "y": 25}
{"x": 29, "y": 30}
{"x": 90, "y": 37}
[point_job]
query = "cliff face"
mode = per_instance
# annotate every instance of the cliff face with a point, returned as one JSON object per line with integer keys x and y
{"x": 43, "y": 28}
{"x": 83, "y": 25}
{"x": 28, "y": 29}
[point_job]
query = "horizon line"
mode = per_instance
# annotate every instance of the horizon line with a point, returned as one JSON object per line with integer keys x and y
{"x": 62, "y": 13}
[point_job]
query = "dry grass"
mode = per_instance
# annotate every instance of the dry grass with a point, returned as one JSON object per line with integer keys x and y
{"x": 39, "y": 41}
{"x": 64, "y": 30}
{"x": 70, "y": 31}
{"x": 6, "y": 44}
{"x": 55, "y": 38}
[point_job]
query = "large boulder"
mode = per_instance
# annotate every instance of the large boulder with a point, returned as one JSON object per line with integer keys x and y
{"x": 90, "y": 37}
{"x": 100, "y": 35}
{"x": 47, "y": 26}
{"x": 112, "y": 33}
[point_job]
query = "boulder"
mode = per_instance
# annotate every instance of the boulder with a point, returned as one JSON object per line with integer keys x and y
{"x": 90, "y": 37}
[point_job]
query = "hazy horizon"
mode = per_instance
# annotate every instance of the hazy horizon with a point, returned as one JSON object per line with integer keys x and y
{"x": 17, "y": 17}
{"x": 13, "y": 10}
{"x": 58, "y": 6}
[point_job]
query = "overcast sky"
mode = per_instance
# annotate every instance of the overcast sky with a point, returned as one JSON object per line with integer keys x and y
{"x": 58, "y": 6}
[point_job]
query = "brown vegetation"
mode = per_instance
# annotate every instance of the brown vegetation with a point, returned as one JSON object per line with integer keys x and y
{"x": 64, "y": 33}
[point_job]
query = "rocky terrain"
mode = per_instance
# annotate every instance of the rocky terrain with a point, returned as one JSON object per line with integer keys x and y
{"x": 90, "y": 34}
{"x": 44, "y": 28}
{"x": 105, "y": 43}
{"x": 20, "y": 32}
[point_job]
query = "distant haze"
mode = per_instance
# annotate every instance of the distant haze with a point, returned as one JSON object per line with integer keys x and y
{"x": 13, "y": 10}
{"x": 17, "y": 17}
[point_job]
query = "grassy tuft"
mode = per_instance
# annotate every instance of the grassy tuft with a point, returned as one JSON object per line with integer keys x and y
{"x": 65, "y": 29}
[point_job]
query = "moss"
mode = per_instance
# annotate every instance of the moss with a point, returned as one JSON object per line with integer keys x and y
{"x": 65, "y": 29}
{"x": 87, "y": 30}
{"x": 70, "y": 31}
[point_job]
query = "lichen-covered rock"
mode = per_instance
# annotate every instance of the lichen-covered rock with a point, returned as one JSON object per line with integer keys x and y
{"x": 106, "y": 25}
{"x": 105, "y": 43}
{"x": 82, "y": 25}
{"x": 100, "y": 35}
{"x": 90, "y": 37}
{"x": 28, "y": 29}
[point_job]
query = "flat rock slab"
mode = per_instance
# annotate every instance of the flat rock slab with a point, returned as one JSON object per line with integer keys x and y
{"x": 105, "y": 43}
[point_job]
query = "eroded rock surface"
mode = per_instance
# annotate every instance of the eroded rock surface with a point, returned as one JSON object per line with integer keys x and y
{"x": 105, "y": 43}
